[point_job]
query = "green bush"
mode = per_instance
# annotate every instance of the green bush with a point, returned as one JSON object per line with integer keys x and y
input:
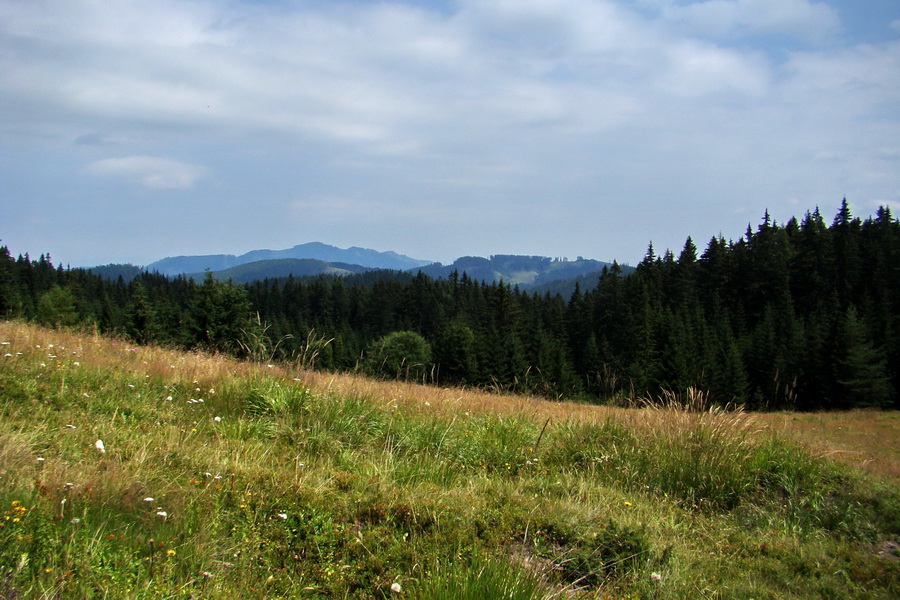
{"x": 401, "y": 354}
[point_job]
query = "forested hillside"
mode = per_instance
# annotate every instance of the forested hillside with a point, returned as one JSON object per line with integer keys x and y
{"x": 800, "y": 315}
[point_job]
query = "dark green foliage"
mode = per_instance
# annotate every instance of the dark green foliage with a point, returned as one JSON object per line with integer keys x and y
{"x": 802, "y": 315}
{"x": 56, "y": 308}
{"x": 402, "y": 354}
{"x": 859, "y": 368}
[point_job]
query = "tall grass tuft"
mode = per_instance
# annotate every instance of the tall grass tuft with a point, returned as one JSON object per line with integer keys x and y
{"x": 482, "y": 579}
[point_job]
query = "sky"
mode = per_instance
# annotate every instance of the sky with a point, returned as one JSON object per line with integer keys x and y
{"x": 132, "y": 130}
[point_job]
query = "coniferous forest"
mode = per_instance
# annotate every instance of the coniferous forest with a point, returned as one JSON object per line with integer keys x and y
{"x": 799, "y": 315}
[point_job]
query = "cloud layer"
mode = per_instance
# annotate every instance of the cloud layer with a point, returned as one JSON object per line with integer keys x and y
{"x": 436, "y": 129}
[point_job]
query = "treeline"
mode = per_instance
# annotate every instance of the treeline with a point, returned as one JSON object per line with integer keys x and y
{"x": 800, "y": 315}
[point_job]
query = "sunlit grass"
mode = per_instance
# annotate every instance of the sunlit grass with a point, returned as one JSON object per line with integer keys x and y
{"x": 223, "y": 479}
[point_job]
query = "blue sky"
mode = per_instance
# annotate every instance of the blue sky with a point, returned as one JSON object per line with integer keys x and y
{"x": 134, "y": 130}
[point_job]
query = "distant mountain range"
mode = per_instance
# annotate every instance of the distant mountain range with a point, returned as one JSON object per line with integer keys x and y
{"x": 283, "y": 267}
{"x": 178, "y": 265}
{"x": 537, "y": 273}
{"x": 524, "y": 271}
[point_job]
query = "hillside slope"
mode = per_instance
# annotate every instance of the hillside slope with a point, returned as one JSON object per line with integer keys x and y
{"x": 139, "y": 472}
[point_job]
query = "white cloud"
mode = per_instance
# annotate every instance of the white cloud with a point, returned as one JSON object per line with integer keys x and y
{"x": 801, "y": 19}
{"x": 698, "y": 69}
{"x": 150, "y": 171}
{"x": 488, "y": 108}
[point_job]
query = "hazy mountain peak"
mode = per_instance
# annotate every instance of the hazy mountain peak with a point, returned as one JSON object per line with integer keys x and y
{"x": 365, "y": 257}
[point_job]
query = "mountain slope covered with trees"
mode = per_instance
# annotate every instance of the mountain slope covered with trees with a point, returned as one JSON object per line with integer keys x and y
{"x": 800, "y": 315}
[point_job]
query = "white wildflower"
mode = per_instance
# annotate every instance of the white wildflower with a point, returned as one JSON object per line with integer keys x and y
{"x": 655, "y": 576}
{"x": 99, "y": 446}
{"x": 217, "y": 419}
{"x": 163, "y": 514}
{"x": 149, "y": 499}
{"x": 395, "y": 587}
{"x": 282, "y": 515}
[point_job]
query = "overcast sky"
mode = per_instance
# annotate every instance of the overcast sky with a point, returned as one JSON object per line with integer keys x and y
{"x": 131, "y": 130}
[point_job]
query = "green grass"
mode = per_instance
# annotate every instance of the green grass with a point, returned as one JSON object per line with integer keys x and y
{"x": 269, "y": 488}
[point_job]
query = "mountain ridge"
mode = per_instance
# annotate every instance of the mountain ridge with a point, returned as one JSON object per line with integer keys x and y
{"x": 364, "y": 257}
{"x": 316, "y": 258}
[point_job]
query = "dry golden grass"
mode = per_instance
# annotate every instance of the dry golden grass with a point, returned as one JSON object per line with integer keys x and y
{"x": 869, "y": 440}
{"x": 866, "y": 439}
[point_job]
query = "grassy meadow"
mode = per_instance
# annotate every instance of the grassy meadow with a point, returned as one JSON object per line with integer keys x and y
{"x": 140, "y": 472}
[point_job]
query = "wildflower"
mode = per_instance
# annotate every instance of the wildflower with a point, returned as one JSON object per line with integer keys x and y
{"x": 170, "y": 552}
{"x": 75, "y": 521}
{"x": 655, "y": 576}
{"x": 76, "y": 363}
{"x": 43, "y": 365}
{"x": 40, "y": 459}
{"x": 169, "y": 398}
{"x": 7, "y": 354}
{"x": 148, "y": 499}
{"x": 395, "y": 587}
{"x": 163, "y": 514}
{"x": 131, "y": 386}
{"x": 70, "y": 427}
{"x": 99, "y": 446}
{"x": 217, "y": 419}
{"x": 282, "y": 516}
{"x": 627, "y": 503}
